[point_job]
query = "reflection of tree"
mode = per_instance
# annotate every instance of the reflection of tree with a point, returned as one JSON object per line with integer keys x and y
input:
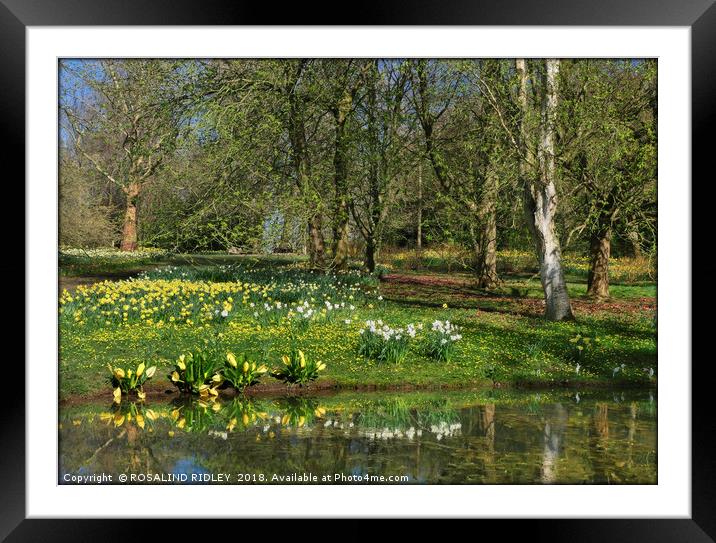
{"x": 554, "y": 428}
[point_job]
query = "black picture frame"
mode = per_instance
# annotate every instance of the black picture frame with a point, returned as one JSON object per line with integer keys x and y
{"x": 699, "y": 15}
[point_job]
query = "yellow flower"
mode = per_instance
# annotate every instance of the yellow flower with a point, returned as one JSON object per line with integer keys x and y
{"x": 181, "y": 364}
{"x": 141, "y": 395}
{"x": 181, "y": 423}
{"x": 232, "y": 424}
{"x": 119, "y": 373}
{"x": 246, "y": 367}
{"x": 286, "y": 360}
{"x": 245, "y": 419}
{"x": 231, "y": 359}
{"x": 140, "y": 369}
{"x": 321, "y": 366}
{"x": 302, "y": 359}
{"x": 140, "y": 421}
{"x": 175, "y": 376}
{"x": 117, "y": 395}
{"x": 151, "y": 371}
{"x": 445, "y": 306}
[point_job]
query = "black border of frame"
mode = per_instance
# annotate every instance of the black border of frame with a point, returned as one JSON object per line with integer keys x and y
{"x": 700, "y": 15}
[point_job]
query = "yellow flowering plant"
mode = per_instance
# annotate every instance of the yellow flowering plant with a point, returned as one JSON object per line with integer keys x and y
{"x": 298, "y": 369}
{"x": 127, "y": 380}
{"x": 240, "y": 372}
{"x": 197, "y": 373}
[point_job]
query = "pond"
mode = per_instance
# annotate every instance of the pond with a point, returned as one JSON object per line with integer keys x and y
{"x": 470, "y": 437}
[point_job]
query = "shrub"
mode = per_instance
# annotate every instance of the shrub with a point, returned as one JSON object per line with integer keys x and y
{"x": 126, "y": 381}
{"x": 197, "y": 373}
{"x": 298, "y": 369}
{"x": 240, "y": 372}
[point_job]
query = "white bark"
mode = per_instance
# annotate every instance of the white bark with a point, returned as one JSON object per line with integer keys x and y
{"x": 540, "y": 195}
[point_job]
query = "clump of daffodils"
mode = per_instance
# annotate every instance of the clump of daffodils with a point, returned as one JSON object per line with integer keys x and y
{"x": 126, "y": 380}
{"x": 441, "y": 339}
{"x": 382, "y": 342}
{"x": 581, "y": 344}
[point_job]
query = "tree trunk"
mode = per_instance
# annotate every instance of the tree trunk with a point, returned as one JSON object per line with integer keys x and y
{"x": 316, "y": 245}
{"x": 302, "y": 169}
{"x": 635, "y": 241}
{"x": 371, "y": 253}
{"x": 486, "y": 248}
{"x": 540, "y": 196}
{"x": 598, "y": 280}
{"x": 340, "y": 166}
{"x": 419, "y": 235}
{"x": 129, "y": 229}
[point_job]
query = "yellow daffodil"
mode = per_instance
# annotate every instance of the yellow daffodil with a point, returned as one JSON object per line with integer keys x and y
{"x": 140, "y": 369}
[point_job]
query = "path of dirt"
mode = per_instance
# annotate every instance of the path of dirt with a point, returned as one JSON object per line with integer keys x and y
{"x": 464, "y": 289}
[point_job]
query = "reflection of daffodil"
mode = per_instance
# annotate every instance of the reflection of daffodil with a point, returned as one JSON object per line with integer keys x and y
{"x": 118, "y": 420}
{"x": 140, "y": 421}
{"x": 141, "y": 395}
{"x": 181, "y": 423}
{"x": 232, "y": 424}
{"x": 117, "y": 395}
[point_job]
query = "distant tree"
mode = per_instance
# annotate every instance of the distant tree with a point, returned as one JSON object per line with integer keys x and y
{"x": 608, "y": 130}
{"x": 121, "y": 116}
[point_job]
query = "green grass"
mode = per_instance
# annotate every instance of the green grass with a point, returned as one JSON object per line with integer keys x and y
{"x": 502, "y": 342}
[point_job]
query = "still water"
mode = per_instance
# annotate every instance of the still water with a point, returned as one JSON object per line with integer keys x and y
{"x": 475, "y": 437}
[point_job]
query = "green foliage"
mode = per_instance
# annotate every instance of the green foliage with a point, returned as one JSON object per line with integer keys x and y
{"x": 298, "y": 369}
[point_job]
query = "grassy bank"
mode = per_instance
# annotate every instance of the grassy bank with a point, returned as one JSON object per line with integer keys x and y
{"x": 210, "y": 304}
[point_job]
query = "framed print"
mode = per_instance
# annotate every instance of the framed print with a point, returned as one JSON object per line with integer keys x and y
{"x": 406, "y": 268}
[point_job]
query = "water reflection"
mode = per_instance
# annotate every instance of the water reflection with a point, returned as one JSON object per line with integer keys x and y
{"x": 482, "y": 437}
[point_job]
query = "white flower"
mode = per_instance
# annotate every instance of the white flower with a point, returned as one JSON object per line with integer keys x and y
{"x": 347, "y": 321}
{"x": 380, "y": 298}
{"x": 224, "y": 313}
